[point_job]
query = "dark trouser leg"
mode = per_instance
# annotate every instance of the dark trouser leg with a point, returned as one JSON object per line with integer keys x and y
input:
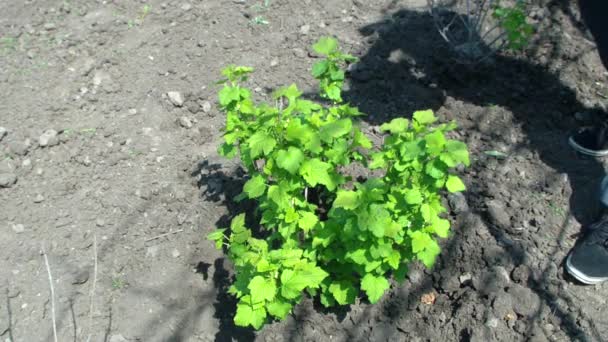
{"x": 595, "y": 16}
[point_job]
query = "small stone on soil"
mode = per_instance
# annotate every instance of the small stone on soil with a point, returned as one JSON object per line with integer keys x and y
{"x": 39, "y": 198}
{"x": 80, "y": 276}
{"x": 305, "y": 29}
{"x": 185, "y": 122}
{"x": 206, "y": 105}
{"x": 118, "y": 338}
{"x": 7, "y": 180}
{"x": 176, "y": 98}
{"x": 100, "y": 222}
{"x": 19, "y": 148}
{"x": 3, "y": 132}
{"x": 274, "y": 62}
{"x": 18, "y": 228}
{"x": 48, "y": 138}
{"x": 175, "y": 253}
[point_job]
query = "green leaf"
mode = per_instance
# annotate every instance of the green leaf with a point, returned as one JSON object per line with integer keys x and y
{"x": 238, "y": 223}
{"x": 346, "y": 199}
{"x": 279, "y": 308}
{"x": 458, "y": 151}
{"x": 325, "y": 46}
{"x": 262, "y": 289}
{"x": 290, "y": 160}
{"x": 413, "y": 196}
{"x": 227, "y": 150}
{"x": 429, "y": 255}
{"x": 293, "y": 282}
{"x": 217, "y": 236}
{"x": 435, "y": 142}
{"x": 261, "y": 143}
{"x": 441, "y": 227}
{"x": 279, "y": 195}
{"x": 420, "y": 241}
{"x": 424, "y": 117}
{"x": 247, "y": 315}
{"x": 229, "y": 94}
{"x": 336, "y": 129}
{"x": 343, "y": 291}
{"x": 320, "y": 68}
{"x": 307, "y": 220}
{"x": 316, "y": 172}
{"x": 255, "y": 187}
{"x": 397, "y": 125}
{"x": 374, "y": 287}
{"x": 454, "y": 184}
{"x": 394, "y": 259}
{"x": 360, "y": 139}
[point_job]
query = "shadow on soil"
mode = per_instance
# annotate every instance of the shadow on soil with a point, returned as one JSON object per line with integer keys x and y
{"x": 409, "y": 67}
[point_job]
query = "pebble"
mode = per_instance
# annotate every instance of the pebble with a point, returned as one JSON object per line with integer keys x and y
{"x": 18, "y": 228}
{"x": 80, "y": 276}
{"x": 39, "y": 198}
{"x": 100, "y": 222}
{"x": 525, "y": 301}
{"x": 465, "y": 278}
{"x": 3, "y": 132}
{"x": 186, "y": 7}
{"x": 7, "y": 180}
{"x": 176, "y": 98}
{"x": 274, "y": 62}
{"x": 206, "y": 106}
{"x": 19, "y": 148}
{"x": 175, "y": 253}
{"x": 48, "y": 138}
{"x": 118, "y": 338}
{"x": 185, "y": 122}
{"x": 305, "y": 29}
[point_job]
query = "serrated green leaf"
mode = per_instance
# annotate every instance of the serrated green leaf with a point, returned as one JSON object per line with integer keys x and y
{"x": 424, "y": 117}
{"x": 358, "y": 256}
{"x": 394, "y": 259}
{"x": 247, "y": 315}
{"x": 279, "y": 308}
{"x": 361, "y": 140}
{"x": 435, "y": 142}
{"x": 279, "y": 195}
{"x": 336, "y": 129}
{"x": 227, "y": 150}
{"x": 325, "y": 46}
{"x": 420, "y": 241}
{"x": 307, "y": 220}
{"x": 255, "y": 187}
{"x": 238, "y": 223}
{"x": 261, "y": 143}
{"x": 441, "y": 227}
{"x": 319, "y": 68}
{"x": 454, "y": 184}
{"x": 378, "y": 161}
{"x": 316, "y": 172}
{"x": 262, "y": 289}
{"x": 458, "y": 151}
{"x": 347, "y": 199}
{"x": 429, "y": 255}
{"x": 290, "y": 160}
{"x": 229, "y": 94}
{"x": 217, "y": 234}
{"x": 292, "y": 284}
{"x": 343, "y": 292}
{"x": 413, "y": 196}
{"x": 374, "y": 287}
{"x": 397, "y": 125}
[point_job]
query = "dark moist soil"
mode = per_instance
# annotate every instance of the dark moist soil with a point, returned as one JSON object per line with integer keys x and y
{"x": 133, "y": 177}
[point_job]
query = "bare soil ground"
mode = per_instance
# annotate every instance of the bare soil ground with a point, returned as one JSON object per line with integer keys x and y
{"x": 120, "y": 183}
